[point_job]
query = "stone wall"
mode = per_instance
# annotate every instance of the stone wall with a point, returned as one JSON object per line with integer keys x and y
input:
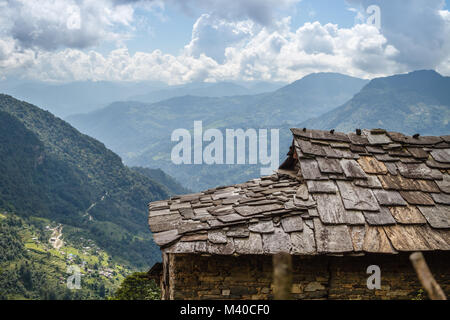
{"x": 315, "y": 277}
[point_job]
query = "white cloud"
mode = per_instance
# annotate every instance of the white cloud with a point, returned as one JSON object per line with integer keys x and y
{"x": 234, "y": 48}
{"x": 54, "y": 24}
{"x": 263, "y": 12}
{"x": 418, "y": 29}
{"x": 247, "y": 52}
{"x": 212, "y": 35}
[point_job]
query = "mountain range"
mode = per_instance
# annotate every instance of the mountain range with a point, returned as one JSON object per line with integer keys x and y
{"x": 141, "y": 133}
{"x": 417, "y": 102}
{"x": 50, "y": 170}
{"x": 63, "y": 99}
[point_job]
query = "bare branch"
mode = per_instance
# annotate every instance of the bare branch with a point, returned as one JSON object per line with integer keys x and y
{"x": 426, "y": 278}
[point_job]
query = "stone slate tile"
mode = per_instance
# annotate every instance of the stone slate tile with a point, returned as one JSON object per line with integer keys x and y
{"x": 162, "y": 219}
{"x": 276, "y": 242}
{"x": 352, "y": 169}
{"x": 353, "y": 217}
{"x": 238, "y": 232}
{"x": 399, "y": 183}
{"x": 181, "y": 247}
{"x": 441, "y": 155}
{"x": 444, "y": 185}
{"x": 253, "y": 210}
{"x": 329, "y": 165}
{"x": 201, "y": 246}
{"x": 164, "y": 226}
{"x": 262, "y": 227}
{"x": 437, "y": 216}
{"x": 377, "y": 139}
{"x": 217, "y": 236}
{"x": 332, "y": 153}
{"x": 375, "y": 150}
{"x": 437, "y": 165}
{"x": 418, "y": 153}
{"x": 391, "y": 167}
{"x": 407, "y": 215}
{"x": 372, "y": 165}
{"x": 389, "y": 198}
{"x": 437, "y": 239}
{"x": 159, "y": 212}
{"x": 332, "y": 238}
{"x": 376, "y": 241}
{"x": 357, "y": 233}
{"x": 356, "y": 139}
{"x": 406, "y": 238}
{"x": 417, "y": 197}
{"x": 427, "y": 185}
{"x": 441, "y": 198}
{"x": 330, "y": 208}
{"x": 192, "y": 226}
{"x": 250, "y": 245}
{"x": 401, "y": 138}
{"x": 301, "y": 204}
{"x": 380, "y": 218}
{"x": 321, "y": 135}
{"x": 302, "y": 192}
{"x": 357, "y": 198}
{"x": 292, "y": 224}
{"x": 371, "y": 182}
{"x": 321, "y": 186}
{"x": 195, "y": 237}
{"x": 309, "y": 148}
{"x": 180, "y": 205}
{"x": 418, "y": 171}
{"x": 230, "y": 218}
{"x": 220, "y": 210}
{"x": 386, "y": 158}
{"x": 303, "y": 242}
{"x": 166, "y": 237}
{"x": 221, "y": 249}
{"x": 310, "y": 170}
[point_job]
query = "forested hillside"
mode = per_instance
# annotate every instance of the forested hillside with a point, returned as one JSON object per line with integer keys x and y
{"x": 48, "y": 169}
{"x": 417, "y": 102}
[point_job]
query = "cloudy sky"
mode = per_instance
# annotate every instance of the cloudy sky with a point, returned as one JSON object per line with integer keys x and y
{"x": 180, "y": 41}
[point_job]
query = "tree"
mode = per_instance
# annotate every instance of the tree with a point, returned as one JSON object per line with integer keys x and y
{"x": 137, "y": 286}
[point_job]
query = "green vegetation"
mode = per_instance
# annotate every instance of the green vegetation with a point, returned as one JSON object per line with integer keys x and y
{"x": 137, "y": 286}
{"x": 172, "y": 186}
{"x": 54, "y": 179}
{"x": 48, "y": 169}
{"x": 30, "y": 267}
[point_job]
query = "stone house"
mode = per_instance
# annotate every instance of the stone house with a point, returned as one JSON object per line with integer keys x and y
{"x": 338, "y": 204}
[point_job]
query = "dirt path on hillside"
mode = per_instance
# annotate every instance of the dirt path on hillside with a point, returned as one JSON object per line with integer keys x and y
{"x": 57, "y": 243}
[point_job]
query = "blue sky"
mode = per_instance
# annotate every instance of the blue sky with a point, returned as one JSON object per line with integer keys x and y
{"x": 180, "y": 41}
{"x": 173, "y": 32}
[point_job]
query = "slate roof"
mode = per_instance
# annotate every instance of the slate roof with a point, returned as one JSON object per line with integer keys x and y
{"x": 366, "y": 192}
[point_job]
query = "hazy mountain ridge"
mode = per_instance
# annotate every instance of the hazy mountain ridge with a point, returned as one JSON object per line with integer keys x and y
{"x": 64, "y": 99}
{"x": 417, "y": 102}
{"x": 141, "y": 132}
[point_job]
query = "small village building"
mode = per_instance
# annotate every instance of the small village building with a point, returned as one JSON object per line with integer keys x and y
{"x": 338, "y": 204}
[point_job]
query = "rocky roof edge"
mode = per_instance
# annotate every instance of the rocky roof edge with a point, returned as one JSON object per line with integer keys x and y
{"x": 371, "y": 191}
